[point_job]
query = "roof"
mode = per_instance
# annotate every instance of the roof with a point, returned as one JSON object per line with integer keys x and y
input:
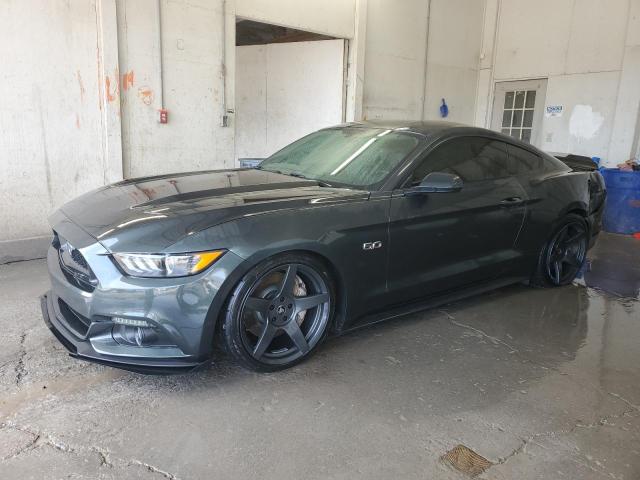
{"x": 427, "y": 128}
{"x": 433, "y": 129}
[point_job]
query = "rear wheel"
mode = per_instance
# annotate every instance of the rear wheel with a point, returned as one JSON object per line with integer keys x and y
{"x": 279, "y": 312}
{"x": 563, "y": 255}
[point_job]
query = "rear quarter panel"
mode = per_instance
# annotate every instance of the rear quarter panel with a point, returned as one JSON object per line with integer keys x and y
{"x": 551, "y": 197}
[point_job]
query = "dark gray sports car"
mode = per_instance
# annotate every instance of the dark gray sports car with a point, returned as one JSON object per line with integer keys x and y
{"x": 347, "y": 226}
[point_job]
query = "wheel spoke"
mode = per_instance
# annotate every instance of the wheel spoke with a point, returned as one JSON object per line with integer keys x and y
{"x": 293, "y": 330}
{"x": 260, "y": 305}
{"x": 289, "y": 280}
{"x": 264, "y": 341}
{"x": 305, "y": 303}
{"x": 557, "y": 268}
{"x": 561, "y": 238}
{"x": 573, "y": 238}
{"x": 572, "y": 260}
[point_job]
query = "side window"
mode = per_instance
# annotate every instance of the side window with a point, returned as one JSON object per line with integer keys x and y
{"x": 523, "y": 162}
{"x": 473, "y": 159}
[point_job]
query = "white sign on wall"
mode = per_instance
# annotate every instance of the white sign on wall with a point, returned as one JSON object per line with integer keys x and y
{"x": 553, "y": 110}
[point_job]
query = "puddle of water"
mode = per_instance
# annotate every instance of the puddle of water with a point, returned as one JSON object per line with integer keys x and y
{"x": 613, "y": 266}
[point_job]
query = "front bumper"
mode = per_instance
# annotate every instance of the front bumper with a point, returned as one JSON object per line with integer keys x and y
{"x": 84, "y": 351}
{"x": 180, "y": 312}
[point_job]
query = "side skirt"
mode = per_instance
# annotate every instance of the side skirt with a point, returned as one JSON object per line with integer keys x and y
{"x": 429, "y": 303}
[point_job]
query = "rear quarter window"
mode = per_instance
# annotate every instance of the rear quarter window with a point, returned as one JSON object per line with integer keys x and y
{"x": 525, "y": 162}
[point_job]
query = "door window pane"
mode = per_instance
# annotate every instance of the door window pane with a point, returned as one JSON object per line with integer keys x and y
{"x": 508, "y": 99}
{"x": 471, "y": 158}
{"x": 515, "y": 133}
{"x": 526, "y": 135}
{"x": 528, "y": 118}
{"x": 531, "y": 99}
{"x": 517, "y": 118}
{"x": 519, "y": 101}
{"x": 506, "y": 118}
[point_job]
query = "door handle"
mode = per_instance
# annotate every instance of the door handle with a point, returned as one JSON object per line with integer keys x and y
{"x": 511, "y": 202}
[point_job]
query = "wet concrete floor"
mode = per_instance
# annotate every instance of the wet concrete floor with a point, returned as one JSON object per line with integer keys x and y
{"x": 544, "y": 383}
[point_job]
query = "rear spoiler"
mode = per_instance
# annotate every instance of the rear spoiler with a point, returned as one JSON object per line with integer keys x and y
{"x": 577, "y": 162}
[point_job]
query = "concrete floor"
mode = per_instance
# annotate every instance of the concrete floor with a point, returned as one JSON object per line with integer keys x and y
{"x": 543, "y": 383}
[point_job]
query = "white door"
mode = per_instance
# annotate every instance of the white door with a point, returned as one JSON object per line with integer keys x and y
{"x": 285, "y": 91}
{"x": 517, "y": 109}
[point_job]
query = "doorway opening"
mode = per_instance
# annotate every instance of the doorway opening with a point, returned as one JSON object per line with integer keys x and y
{"x": 288, "y": 83}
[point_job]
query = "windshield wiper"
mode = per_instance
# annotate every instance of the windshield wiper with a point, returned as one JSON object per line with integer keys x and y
{"x": 301, "y": 175}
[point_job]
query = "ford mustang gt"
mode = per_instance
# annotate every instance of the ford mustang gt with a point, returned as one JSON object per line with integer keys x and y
{"x": 347, "y": 226}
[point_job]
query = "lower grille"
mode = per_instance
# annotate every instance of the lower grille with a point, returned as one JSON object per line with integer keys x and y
{"x": 78, "y": 323}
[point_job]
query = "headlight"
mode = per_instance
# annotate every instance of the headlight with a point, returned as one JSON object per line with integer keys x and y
{"x": 169, "y": 265}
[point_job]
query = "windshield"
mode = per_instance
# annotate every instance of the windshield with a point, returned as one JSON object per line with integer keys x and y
{"x": 351, "y": 156}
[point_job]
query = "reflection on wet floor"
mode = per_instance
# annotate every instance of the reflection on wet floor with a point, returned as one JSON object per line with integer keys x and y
{"x": 613, "y": 266}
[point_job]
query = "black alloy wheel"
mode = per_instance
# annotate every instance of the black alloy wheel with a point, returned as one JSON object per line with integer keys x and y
{"x": 279, "y": 313}
{"x": 564, "y": 254}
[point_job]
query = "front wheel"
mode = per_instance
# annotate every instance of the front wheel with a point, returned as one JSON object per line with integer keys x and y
{"x": 563, "y": 255}
{"x": 279, "y": 312}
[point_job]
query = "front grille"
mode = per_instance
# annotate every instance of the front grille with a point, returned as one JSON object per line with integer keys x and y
{"x": 56, "y": 241}
{"x": 74, "y": 320}
{"x": 79, "y": 259}
{"x": 73, "y": 265}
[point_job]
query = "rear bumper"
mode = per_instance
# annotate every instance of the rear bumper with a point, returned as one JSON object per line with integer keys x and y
{"x": 83, "y": 349}
{"x": 595, "y": 225}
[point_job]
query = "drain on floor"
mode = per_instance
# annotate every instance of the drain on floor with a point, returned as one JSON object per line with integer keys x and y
{"x": 466, "y": 460}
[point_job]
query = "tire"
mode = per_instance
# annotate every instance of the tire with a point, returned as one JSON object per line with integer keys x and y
{"x": 279, "y": 312}
{"x": 563, "y": 255}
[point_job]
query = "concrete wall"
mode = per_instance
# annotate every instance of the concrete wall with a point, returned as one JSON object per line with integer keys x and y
{"x": 418, "y": 52}
{"x": 192, "y": 80}
{"x": 455, "y": 30}
{"x": 395, "y": 53}
{"x": 285, "y": 91}
{"x": 330, "y": 17}
{"x": 56, "y": 135}
{"x": 198, "y": 75}
{"x": 81, "y": 85}
{"x": 588, "y": 50}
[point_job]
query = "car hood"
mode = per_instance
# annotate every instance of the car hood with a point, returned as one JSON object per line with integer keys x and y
{"x": 152, "y": 213}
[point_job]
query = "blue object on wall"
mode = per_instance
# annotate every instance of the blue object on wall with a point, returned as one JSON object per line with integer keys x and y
{"x": 444, "y": 109}
{"x": 622, "y": 210}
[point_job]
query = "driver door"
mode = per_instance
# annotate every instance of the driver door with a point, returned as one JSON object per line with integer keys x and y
{"x": 446, "y": 240}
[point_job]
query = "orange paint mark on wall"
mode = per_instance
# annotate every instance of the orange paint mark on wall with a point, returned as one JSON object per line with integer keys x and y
{"x": 127, "y": 80}
{"x": 77, "y": 121}
{"x": 81, "y": 85}
{"x": 146, "y": 95}
{"x": 112, "y": 95}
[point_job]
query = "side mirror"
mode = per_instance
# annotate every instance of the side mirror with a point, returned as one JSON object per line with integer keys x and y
{"x": 437, "y": 182}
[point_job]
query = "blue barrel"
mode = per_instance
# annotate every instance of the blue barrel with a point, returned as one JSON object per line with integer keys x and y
{"x": 622, "y": 211}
